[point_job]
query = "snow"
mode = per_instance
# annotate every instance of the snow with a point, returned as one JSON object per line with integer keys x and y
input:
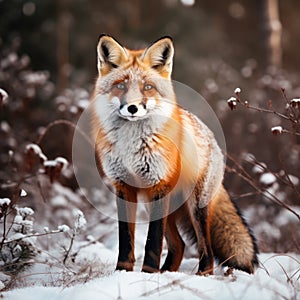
{"x": 285, "y": 217}
{"x": 4, "y": 201}
{"x": 35, "y": 148}
{"x": 92, "y": 274}
{"x": 36, "y": 78}
{"x": 62, "y": 161}
{"x": 276, "y": 129}
{"x": 259, "y": 168}
{"x": 16, "y": 236}
{"x": 232, "y": 102}
{"x": 63, "y": 228}
{"x": 25, "y": 211}
{"x": 59, "y": 201}
{"x": 237, "y": 90}
{"x": 83, "y": 103}
{"x": 80, "y": 220}
{"x": 276, "y": 279}
{"x": 74, "y": 109}
{"x": 295, "y": 102}
{"x": 267, "y": 179}
{"x": 231, "y": 99}
{"x": 4, "y": 126}
{"x": 56, "y": 162}
{"x": 4, "y": 95}
{"x": 50, "y": 164}
{"x": 294, "y": 180}
{"x": 46, "y": 229}
{"x": 188, "y": 2}
{"x": 23, "y": 193}
{"x": 249, "y": 157}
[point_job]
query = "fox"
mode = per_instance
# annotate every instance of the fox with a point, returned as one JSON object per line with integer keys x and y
{"x": 148, "y": 147}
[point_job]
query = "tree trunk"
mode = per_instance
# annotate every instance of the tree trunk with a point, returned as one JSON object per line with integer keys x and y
{"x": 62, "y": 50}
{"x": 272, "y": 29}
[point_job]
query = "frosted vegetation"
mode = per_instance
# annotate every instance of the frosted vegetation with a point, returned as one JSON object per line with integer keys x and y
{"x": 55, "y": 244}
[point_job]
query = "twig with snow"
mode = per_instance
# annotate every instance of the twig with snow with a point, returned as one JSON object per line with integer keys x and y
{"x": 241, "y": 172}
{"x": 291, "y": 115}
{"x": 79, "y": 223}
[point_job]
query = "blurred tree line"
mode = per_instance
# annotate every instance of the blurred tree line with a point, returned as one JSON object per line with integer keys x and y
{"x": 219, "y": 46}
{"x": 61, "y": 35}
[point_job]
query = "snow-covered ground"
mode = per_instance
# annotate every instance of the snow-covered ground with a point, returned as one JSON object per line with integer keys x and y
{"x": 277, "y": 278}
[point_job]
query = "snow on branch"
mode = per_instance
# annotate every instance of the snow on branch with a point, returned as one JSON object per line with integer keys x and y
{"x": 290, "y": 115}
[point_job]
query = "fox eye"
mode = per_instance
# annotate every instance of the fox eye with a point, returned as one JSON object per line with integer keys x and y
{"x": 121, "y": 86}
{"x": 148, "y": 87}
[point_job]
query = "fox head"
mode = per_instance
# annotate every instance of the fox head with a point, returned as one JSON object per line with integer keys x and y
{"x": 134, "y": 84}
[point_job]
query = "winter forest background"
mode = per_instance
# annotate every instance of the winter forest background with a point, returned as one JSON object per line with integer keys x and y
{"x": 47, "y": 71}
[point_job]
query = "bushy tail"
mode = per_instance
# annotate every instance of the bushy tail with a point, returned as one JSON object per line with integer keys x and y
{"x": 232, "y": 242}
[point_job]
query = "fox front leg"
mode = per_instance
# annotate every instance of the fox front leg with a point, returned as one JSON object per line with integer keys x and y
{"x": 126, "y": 206}
{"x": 156, "y": 230}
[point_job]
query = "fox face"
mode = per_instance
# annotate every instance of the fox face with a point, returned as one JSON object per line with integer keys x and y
{"x": 135, "y": 85}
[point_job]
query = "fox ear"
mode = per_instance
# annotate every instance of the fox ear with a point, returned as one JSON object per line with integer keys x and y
{"x": 110, "y": 54}
{"x": 159, "y": 56}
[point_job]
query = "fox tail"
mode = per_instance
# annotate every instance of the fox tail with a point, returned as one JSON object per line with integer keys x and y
{"x": 232, "y": 241}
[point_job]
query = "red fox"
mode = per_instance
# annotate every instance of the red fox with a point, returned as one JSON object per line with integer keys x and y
{"x": 146, "y": 144}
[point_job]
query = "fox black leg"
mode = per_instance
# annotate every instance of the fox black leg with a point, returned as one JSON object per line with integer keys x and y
{"x": 206, "y": 260}
{"x": 155, "y": 235}
{"x": 126, "y": 220}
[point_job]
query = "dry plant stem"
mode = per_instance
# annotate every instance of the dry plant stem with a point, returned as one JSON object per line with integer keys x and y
{"x": 39, "y": 185}
{"x": 259, "y": 109}
{"x": 4, "y": 229}
{"x": 59, "y": 263}
{"x": 290, "y": 132}
{"x": 31, "y": 235}
{"x": 270, "y": 112}
{"x": 288, "y": 278}
{"x": 10, "y": 226}
{"x": 243, "y": 174}
{"x": 292, "y": 115}
{"x": 64, "y": 122}
{"x": 287, "y": 102}
{"x": 288, "y": 182}
{"x": 84, "y": 246}
{"x": 70, "y": 248}
{"x": 270, "y": 196}
{"x": 176, "y": 282}
{"x": 245, "y": 195}
{"x": 16, "y": 184}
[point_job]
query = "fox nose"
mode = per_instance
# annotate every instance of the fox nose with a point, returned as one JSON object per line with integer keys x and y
{"x": 132, "y": 108}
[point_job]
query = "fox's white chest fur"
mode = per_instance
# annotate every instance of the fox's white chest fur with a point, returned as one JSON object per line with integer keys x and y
{"x": 134, "y": 157}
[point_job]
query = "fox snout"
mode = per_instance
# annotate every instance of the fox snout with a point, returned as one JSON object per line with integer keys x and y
{"x": 131, "y": 110}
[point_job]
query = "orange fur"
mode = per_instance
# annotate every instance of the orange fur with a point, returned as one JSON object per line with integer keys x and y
{"x": 145, "y": 143}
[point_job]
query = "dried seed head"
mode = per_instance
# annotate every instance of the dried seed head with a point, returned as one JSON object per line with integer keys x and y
{"x": 232, "y": 102}
{"x": 34, "y": 157}
{"x": 295, "y": 103}
{"x": 277, "y": 130}
{"x": 237, "y": 91}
